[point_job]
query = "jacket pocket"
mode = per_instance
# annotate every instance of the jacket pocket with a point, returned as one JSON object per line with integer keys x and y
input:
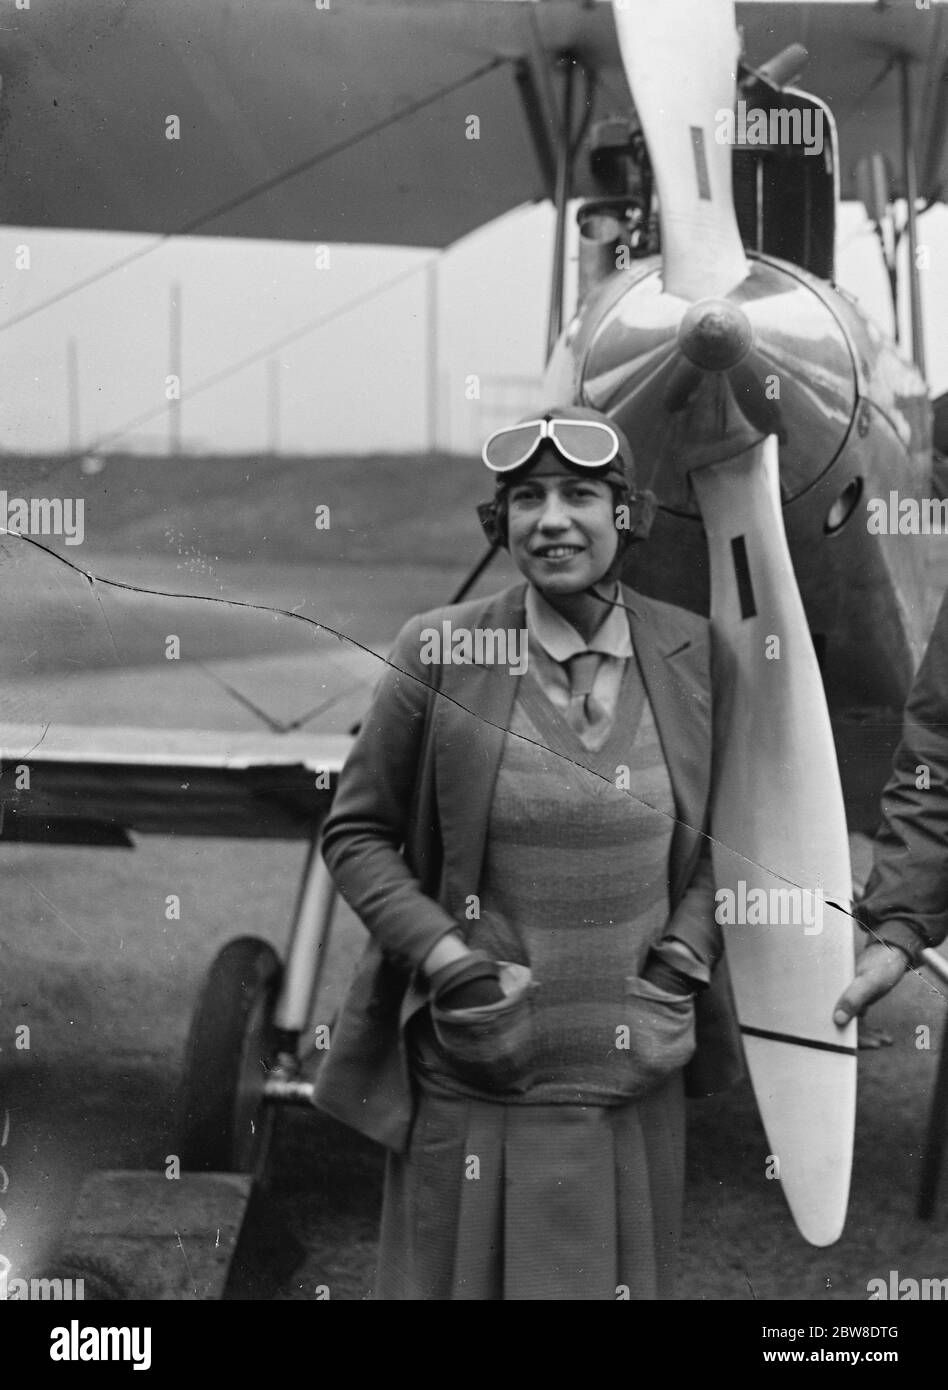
{"x": 491, "y": 1047}
{"x": 661, "y": 1035}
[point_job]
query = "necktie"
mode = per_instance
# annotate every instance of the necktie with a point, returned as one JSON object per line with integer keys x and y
{"x": 584, "y": 708}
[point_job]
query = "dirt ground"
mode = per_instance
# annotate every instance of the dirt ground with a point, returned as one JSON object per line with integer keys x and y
{"x": 107, "y": 987}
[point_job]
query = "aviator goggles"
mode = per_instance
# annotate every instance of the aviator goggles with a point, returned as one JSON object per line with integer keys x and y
{"x": 585, "y": 443}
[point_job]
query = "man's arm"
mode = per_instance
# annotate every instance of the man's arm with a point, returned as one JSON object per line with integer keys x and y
{"x": 905, "y": 907}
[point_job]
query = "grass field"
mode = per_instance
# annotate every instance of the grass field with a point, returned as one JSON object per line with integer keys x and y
{"x": 382, "y": 508}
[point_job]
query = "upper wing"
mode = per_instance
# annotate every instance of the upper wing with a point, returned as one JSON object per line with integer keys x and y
{"x": 344, "y": 123}
{"x": 354, "y": 122}
{"x": 853, "y": 65}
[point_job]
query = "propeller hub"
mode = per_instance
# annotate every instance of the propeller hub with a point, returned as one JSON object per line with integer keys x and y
{"x": 715, "y": 334}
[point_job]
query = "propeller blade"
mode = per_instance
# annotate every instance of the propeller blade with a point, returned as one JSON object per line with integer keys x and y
{"x": 682, "y": 384}
{"x": 752, "y": 399}
{"x": 779, "y": 827}
{"x": 680, "y": 59}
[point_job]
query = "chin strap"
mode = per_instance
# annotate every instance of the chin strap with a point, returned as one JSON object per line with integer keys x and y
{"x": 611, "y": 602}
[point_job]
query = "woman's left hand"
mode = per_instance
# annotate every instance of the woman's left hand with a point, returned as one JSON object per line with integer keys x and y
{"x": 660, "y": 971}
{"x": 667, "y": 978}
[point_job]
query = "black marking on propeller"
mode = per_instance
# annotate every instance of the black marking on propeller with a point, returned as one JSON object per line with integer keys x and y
{"x": 799, "y": 1042}
{"x": 701, "y": 163}
{"x": 745, "y": 588}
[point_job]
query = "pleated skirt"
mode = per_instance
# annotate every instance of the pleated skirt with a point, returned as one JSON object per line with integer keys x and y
{"x": 563, "y": 1202}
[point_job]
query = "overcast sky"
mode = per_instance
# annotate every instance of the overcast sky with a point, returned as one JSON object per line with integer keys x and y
{"x": 354, "y": 384}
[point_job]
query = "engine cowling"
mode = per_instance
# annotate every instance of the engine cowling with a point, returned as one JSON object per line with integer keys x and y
{"x": 693, "y": 384}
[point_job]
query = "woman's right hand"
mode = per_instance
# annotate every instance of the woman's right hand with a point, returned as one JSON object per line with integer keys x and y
{"x": 472, "y": 994}
{"x": 488, "y": 1042}
{"x": 469, "y": 981}
{"x": 449, "y": 948}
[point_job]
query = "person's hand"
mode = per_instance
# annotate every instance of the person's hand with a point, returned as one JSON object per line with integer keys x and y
{"x": 664, "y": 977}
{"x": 467, "y": 983}
{"x": 472, "y": 994}
{"x": 661, "y": 967}
{"x": 879, "y": 969}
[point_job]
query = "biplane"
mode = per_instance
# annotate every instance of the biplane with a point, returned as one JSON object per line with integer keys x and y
{"x": 707, "y": 323}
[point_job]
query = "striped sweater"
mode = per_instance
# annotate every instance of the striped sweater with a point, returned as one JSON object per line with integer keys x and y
{"x": 575, "y": 884}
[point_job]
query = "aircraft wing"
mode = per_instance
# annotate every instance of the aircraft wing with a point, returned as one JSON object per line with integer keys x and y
{"x": 123, "y": 709}
{"x": 854, "y": 66}
{"x": 352, "y": 122}
{"x": 368, "y": 100}
{"x": 95, "y": 786}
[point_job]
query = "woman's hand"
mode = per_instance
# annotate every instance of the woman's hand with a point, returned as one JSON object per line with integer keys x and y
{"x": 662, "y": 967}
{"x": 473, "y": 993}
{"x": 446, "y": 951}
{"x": 467, "y": 979}
{"x": 664, "y": 977}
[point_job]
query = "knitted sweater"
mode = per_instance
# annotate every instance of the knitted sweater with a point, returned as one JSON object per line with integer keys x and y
{"x": 575, "y": 885}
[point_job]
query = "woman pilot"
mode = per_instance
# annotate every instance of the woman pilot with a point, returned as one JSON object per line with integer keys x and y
{"x": 523, "y": 841}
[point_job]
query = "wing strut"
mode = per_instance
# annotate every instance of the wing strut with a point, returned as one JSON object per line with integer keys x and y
{"x": 910, "y": 177}
{"x": 567, "y": 145}
{"x": 564, "y": 180}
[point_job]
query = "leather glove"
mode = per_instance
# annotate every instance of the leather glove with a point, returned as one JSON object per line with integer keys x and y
{"x": 468, "y": 983}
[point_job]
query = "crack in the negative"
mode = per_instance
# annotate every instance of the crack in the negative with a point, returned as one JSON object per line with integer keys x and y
{"x": 29, "y": 751}
{"x": 537, "y": 743}
{"x": 105, "y": 617}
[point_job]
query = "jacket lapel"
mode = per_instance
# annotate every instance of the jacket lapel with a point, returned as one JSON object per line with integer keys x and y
{"x": 477, "y": 715}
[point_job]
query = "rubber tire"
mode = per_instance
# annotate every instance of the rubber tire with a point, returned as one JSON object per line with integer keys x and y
{"x": 223, "y": 1124}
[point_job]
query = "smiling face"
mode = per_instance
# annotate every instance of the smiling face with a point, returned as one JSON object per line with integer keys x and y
{"x": 561, "y": 527}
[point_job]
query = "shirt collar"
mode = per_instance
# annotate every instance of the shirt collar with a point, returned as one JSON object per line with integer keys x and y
{"x": 560, "y": 639}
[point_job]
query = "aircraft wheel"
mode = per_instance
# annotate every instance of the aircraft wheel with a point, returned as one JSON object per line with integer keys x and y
{"x": 224, "y": 1125}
